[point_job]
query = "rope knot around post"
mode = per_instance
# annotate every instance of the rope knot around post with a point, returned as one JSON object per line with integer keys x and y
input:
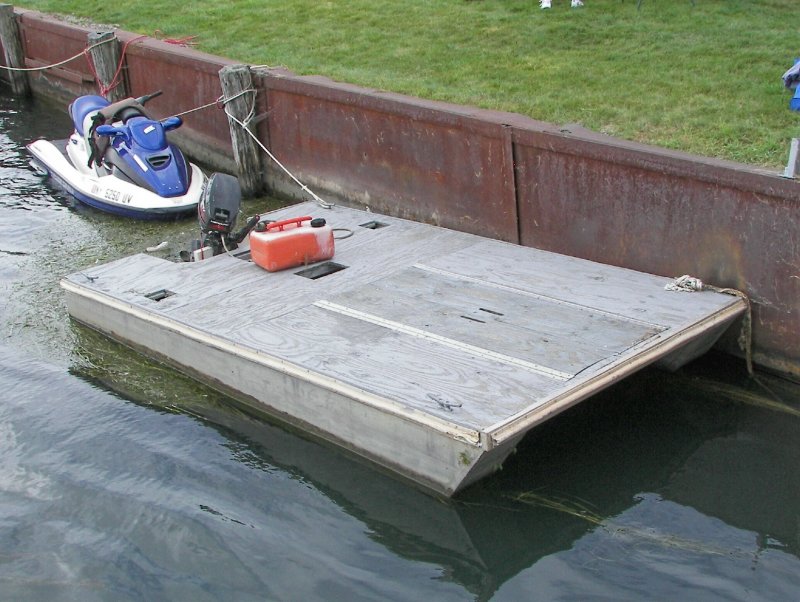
{"x": 107, "y": 64}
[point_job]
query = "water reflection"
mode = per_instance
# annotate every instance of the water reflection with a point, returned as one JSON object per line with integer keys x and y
{"x": 639, "y": 468}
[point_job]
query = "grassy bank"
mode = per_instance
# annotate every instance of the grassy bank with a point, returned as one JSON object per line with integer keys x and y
{"x": 704, "y": 79}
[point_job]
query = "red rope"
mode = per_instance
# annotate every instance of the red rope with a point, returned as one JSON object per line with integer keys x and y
{"x": 117, "y": 79}
{"x": 184, "y": 41}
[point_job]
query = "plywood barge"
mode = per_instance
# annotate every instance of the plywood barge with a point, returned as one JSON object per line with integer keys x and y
{"x": 428, "y": 351}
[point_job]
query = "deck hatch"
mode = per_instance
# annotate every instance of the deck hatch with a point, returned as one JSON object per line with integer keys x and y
{"x": 160, "y": 294}
{"x": 373, "y": 225}
{"x": 323, "y": 269}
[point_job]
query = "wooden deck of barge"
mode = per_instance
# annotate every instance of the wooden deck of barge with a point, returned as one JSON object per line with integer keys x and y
{"x": 431, "y": 352}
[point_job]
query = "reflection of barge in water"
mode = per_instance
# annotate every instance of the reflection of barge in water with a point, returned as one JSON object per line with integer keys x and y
{"x": 429, "y": 351}
{"x": 651, "y": 434}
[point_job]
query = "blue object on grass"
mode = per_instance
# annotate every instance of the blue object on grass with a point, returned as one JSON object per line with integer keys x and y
{"x": 791, "y": 79}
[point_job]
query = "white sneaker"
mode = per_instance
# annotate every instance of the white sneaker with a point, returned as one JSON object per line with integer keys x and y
{"x": 576, "y": 3}
{"x": 546, "y": 3}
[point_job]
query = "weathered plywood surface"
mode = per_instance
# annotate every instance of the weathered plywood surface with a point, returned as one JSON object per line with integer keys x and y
{"x": 468, "y": 330}
{"x": 562, "y": 338}
{"x": 618, "y": 291}
{"x": 421, "y": 374}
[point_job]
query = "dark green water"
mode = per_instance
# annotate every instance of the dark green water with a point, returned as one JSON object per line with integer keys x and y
{"x": 122, "y": 480}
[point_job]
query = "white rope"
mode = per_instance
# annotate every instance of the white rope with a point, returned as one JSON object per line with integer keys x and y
{"x": 250, "y": 114}
{"x": 322, "y": 203}
{"x": 691, "y": 284}
{"x": 64, "y": 62}
{"x": 224, "y": 246}
{"x": 269, "y": 67}
{"x": 201, "y": 107}
{"x": 685, "y": 283}
{"x": 221, "y": 101}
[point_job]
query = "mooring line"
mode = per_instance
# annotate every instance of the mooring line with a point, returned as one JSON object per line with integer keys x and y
{"x": 64, "y": 62}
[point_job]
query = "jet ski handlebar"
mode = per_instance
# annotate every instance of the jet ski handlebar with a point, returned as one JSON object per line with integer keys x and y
{"x": 170, "y": 123}
{"x": 147, "y": 97}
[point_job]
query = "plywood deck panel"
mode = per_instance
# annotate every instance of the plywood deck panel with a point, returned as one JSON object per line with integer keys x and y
{"x": 441, "y": 380}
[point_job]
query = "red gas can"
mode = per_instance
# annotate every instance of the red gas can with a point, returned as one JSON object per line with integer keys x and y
{"x": 291, "y": 242}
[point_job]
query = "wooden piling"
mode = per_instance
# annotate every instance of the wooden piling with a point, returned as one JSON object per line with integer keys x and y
{"x": 793, "y": 166}
{"x": 236, "y": 80}
{"x": 106, "y": 60}
{"x": 12, "y": 50}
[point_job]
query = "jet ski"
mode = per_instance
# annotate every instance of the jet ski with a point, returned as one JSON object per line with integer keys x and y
{"x": 118, "y": 159}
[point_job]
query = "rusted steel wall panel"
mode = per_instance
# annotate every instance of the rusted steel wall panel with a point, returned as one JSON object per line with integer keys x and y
{"x": 46, "y": 41}
{"x": 420, "y": 160}
{"x": 188, "y": 79}
{"x": 669, "y": 213}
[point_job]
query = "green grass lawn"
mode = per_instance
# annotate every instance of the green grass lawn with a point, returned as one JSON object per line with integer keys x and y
{"x": 704, "y": 79}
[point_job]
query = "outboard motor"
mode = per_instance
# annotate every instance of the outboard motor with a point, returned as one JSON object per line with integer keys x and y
{"x": 219, "y": 205}
{"x": 217, "y": 212}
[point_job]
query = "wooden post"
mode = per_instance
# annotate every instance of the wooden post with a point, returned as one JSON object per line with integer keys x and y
{"x": 793, "y": 166}
{"x": 12, "y": 50}
{"x": 235, "y": 79}
{"x": 106, "y": 60}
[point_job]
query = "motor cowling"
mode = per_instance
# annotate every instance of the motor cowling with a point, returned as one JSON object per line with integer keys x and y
{"x": 219, "y": 205}
{"x": 217, "y": 212}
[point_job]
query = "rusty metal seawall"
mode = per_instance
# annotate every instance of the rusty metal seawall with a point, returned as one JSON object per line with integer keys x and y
{"x": 501, "y": 175}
